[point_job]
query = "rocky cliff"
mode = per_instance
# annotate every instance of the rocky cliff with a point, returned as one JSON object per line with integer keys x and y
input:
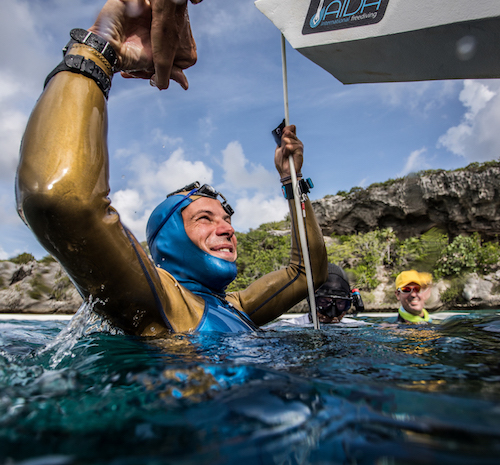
{"x": 458, "y": 202}
{"x": 45, "y": 288}
{"x": 36, "y": 287}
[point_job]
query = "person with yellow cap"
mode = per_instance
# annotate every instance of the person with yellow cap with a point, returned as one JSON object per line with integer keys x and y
{"x": 412, "y": 290}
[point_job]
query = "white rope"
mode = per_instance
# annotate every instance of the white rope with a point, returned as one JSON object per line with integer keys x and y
{"x": 296, "y": 195}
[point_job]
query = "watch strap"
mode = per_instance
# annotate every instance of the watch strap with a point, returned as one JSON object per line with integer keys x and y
{"x": 85, "y": 66}
{"x": 82, "y": 36}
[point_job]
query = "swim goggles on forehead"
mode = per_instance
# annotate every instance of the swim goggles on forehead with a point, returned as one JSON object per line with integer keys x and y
{"x": 333, "y": 305}
{"x": 409, "y": 289}
{"x": 205, "y": 191}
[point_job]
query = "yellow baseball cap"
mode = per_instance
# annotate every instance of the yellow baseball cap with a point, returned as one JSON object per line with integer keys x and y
{"x": 412, "y": 276}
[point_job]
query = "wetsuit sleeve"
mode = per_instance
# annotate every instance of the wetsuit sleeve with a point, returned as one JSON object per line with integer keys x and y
{"x": 62, "y": 195}
{"x": 278, "y": 291}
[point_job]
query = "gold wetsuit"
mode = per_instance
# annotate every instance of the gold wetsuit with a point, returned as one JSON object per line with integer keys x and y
{"x": 62, "y": 195}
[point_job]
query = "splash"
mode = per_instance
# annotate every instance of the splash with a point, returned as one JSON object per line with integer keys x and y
{"x": 86, "y": 321}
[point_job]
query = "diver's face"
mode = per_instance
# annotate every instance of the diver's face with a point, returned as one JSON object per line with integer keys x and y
{"x": 330, "y": 309}
{"x": 413, "y": 302}
{"x": 209, "y": 227}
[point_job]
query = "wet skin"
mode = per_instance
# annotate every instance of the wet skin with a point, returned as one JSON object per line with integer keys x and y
{"x": 209, "y": 227}
{"x": 332, "y": 319}
{"x": 326, "y": 288}
{"x": 413, "y": 302}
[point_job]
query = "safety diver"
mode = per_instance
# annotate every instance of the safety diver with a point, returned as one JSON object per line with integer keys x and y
{"x": 412, "y": 291}
{"x": 334, "y": 300}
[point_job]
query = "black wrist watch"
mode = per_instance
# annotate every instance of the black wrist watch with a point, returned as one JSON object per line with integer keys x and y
{"x": 82, "y": 36}
{"x": 81, "y": 65}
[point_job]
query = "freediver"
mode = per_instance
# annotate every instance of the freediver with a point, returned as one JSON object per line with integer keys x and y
{"x": 62, "y": 189}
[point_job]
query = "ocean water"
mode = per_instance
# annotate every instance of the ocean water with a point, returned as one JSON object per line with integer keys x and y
{"x": 374, "y": 393}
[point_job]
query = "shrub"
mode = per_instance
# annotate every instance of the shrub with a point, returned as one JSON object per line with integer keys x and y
{"x": 454, "y": 294}
{"x": 260, "y": 252}
{"x": 384, "y": 184}
{"x": 355, "y": 190}
{"x": 61, "y": 287}
{"x": 35, "y": 294}
{"x": 467, "y": 254}
{"x": 23, "y": 258}
{"x": 38, "y": 287}
{"x": 361, "y": 254}
{"x": 421, "y": 253}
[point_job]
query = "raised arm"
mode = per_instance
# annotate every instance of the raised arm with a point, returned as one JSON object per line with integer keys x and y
{"x": 62, "y": 182}
{"x": 275, "y": 293}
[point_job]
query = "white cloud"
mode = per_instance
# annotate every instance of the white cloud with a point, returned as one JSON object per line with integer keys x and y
{"x": 419, "y": 98}
{"x": 206, "y": 126}
{"x": 363, "y": 182}
{"x": 476, "y": 137}
{"x": 222, "y": 18}
{"x": 8, "y": 211}
{"x": 240, "y": 174}
{"x": 173, "y": 173}
{"x": 475, "y": 96}
{"x": 150, "y": 181}
{"x": 12, "y": 124}
{"x": 251, "y": 212}
{"x": 165, "y": 140}
{"x": 252, "y": 189}
{"x": 154, "y": 179}
{"x": 415, "y": 162}
{"x": 133, "y": 214}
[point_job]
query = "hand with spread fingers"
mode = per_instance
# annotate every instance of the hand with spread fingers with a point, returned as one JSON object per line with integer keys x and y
{"x": 290, "y": 145}
{"x": 152, "y": 38}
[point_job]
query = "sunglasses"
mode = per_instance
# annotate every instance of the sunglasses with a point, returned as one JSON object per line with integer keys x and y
{"x": 409, "y": 289}
{"x": 205, "y": 191}
{"x": 332, "y": 305}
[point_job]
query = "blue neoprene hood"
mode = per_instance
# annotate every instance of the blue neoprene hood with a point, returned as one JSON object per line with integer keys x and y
{"x": 173, "y": 251}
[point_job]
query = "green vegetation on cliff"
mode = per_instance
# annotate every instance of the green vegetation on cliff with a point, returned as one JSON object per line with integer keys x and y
{"x": 362, "y": 254}
{"x": 261, "y": 251}
{"x": 267, "y": 249}
{"x": 366, "y": 256}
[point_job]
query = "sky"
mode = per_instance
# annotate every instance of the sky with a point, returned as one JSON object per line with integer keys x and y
{"x": 219, "y": 130}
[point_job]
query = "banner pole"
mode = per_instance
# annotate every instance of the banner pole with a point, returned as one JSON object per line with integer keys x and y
{"x": 296, "y": 195}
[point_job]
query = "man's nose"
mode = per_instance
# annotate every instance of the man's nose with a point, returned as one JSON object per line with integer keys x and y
{"x": 225, "y": 229}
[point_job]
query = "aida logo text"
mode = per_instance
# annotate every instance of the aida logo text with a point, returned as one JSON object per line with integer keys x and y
{"x": 328, "y": 15}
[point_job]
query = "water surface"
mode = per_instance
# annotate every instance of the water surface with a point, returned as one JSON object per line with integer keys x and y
{"x": 379, "y": 393}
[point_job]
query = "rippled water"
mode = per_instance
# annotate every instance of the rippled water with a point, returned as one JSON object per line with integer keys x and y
{"x": 374, "y": 394}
